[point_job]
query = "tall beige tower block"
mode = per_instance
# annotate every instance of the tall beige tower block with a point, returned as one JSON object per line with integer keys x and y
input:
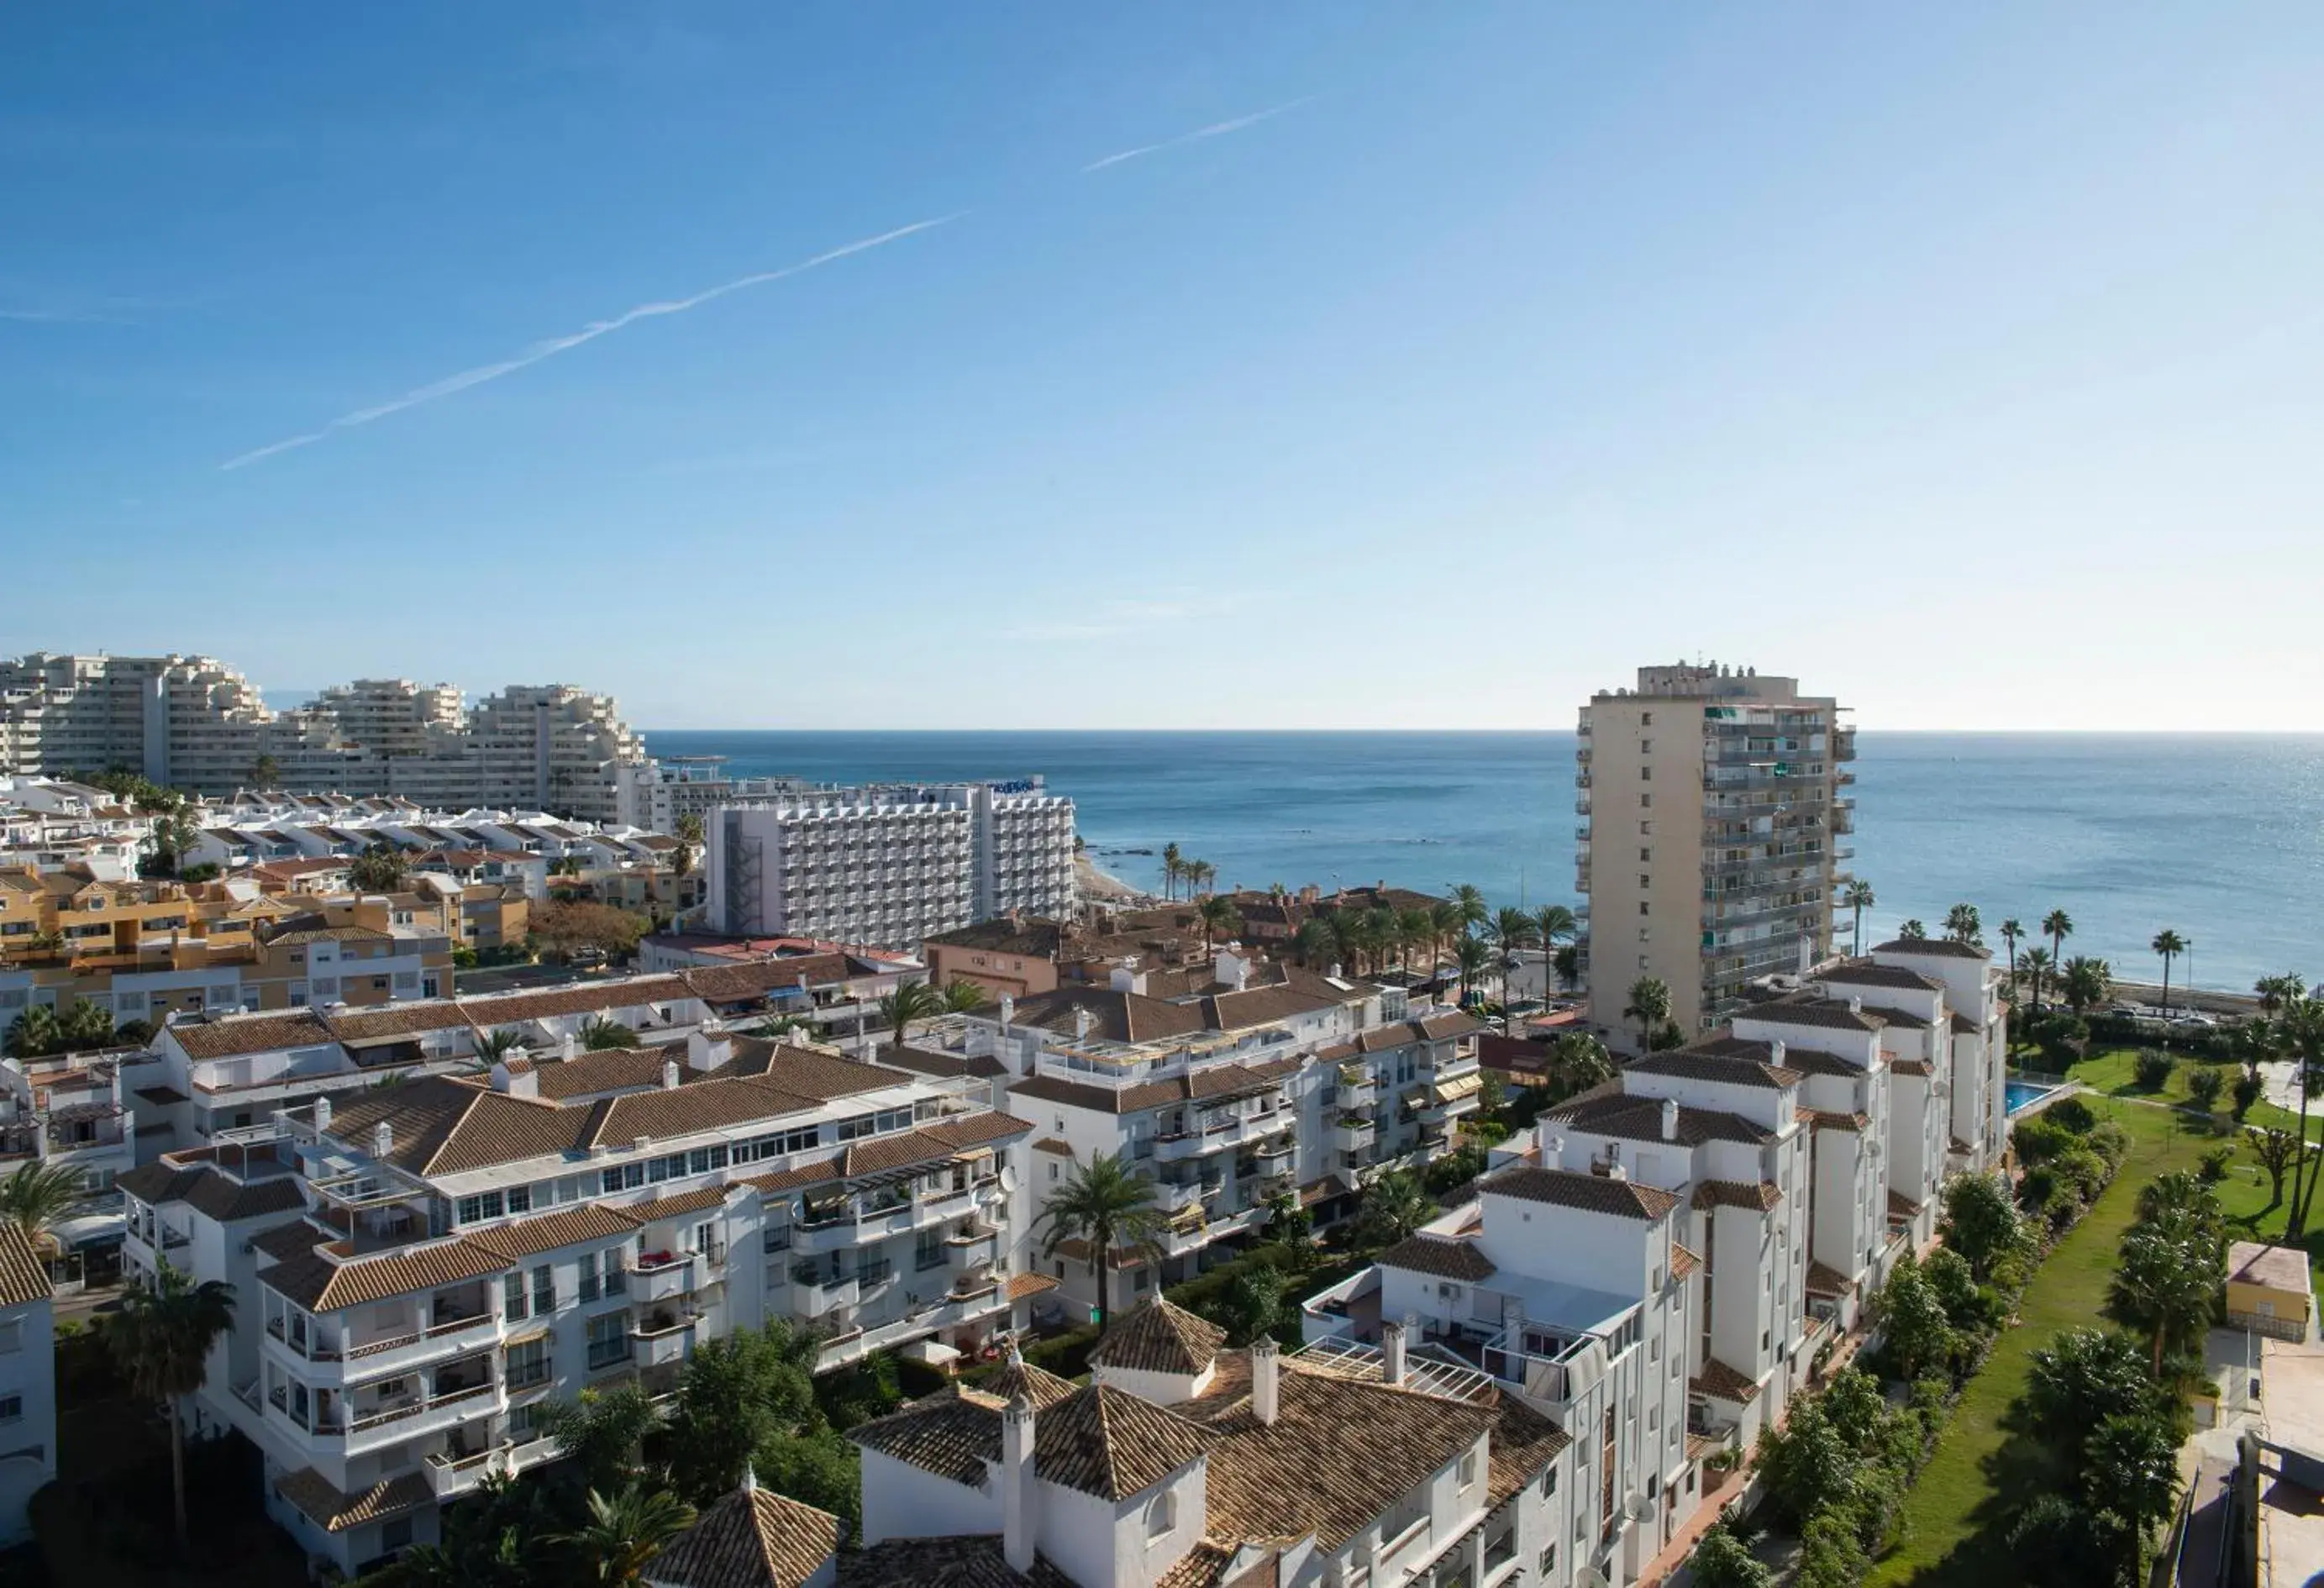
{"x": 1714, "y": 836}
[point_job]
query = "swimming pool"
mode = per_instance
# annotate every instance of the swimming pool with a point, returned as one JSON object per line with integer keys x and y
{"x": 2021, "y": 1095}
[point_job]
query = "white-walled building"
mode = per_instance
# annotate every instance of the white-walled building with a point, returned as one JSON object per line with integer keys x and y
{"x": 888, "y": 864}
{"x": 28, "y": 1383}
{"x": 425, "y": 1266}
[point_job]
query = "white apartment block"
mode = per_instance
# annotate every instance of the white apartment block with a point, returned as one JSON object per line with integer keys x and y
{"x": 193, "y": 723}
{"x": 1187, "y": 1463}
{"x": 71, "y": 1110}
{"x": 425, "y": 1266}
{"x": 47, "y": 824}
{"x": 28, "y": 1384}
{"x": 1716, "y": 812}
{"x": 888, "y": 865}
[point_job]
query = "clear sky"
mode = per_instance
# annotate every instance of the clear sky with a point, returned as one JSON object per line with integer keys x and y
{"x": 1964, "y": 360}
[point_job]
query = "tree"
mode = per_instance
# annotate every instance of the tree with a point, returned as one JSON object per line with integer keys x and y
{"x": 624, "y": 1533}
{"x": 1980, "y": 1222}
{"x": 1290, "y": 1225}
{"x": 2012, "y": 929}
{"x": 2079, "y": 1379}
{"x": 1722, "y": 1560}
{"x": 162, "y": 1339}
{"x": 736, "y": 1394}
{"x": 2276, "y": 991}
{"x": 2086, "y": 983}
{"x": 2038, "y": 965}
{"x": 1510, "y": 930}
{"x": 1649, "y": 1005}
{"x": 2248, "y": 1087}
{"x": 563, "y": 927}
{"x": 1581, "y": 1061}
{"x": 1964, "y": 924}
{"x": 1108, "y": 1208}
{"x": 493, "y": 1047}
{"x": 2301, "y": 1031}
{"x": 1807, "y": 1467}
{"x": 2057, "y": 926}
{"x": 1918, "y": 1334}
{"x": 2151, "y": 1070}
{"x": 1470, "y": 900}
{"x": 174, "y": 832}
{"x": 961, "y": 995}
{"x": 1253, "y": 1305}
{"x": 1173, "y": 868}
{"x": 1912, "y": 931}
{"x": 820, "y": 1468}
{"x": 1445, "y": 922}
{"x": 35, "y": 1032}
{"x": 1830, "y": 1557}
{"x": 38, "y": 1196}
{"x": 2131, "y": 1469}
{"x": 1417, "y": 929}
{"x": 1858, "y": 898}
{"x": 1218, "y": 914}
{"x": 379, "y": 869}
{"x": 1474, "y": 958}
{"x": 604, "y": 1433}
{"x": 2169, "y": 1274}
{"x": 265, "y": 771}
{"x": 1554, "y": 924}
{"x": 1568, "y": 963}
{"x": 85, "y": 1025}
{"x": 2204, "y": 1084}
{"x": 599, "y": 1034}
{"x": 1394, "y": 1205}
{"x": 1313, "y": 942}
{"x": 689, "y": 844}
{"x": 2169, "y": 945}
{"x": 911, "y": 1001}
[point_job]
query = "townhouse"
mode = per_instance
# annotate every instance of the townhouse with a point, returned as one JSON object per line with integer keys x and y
{"x": 28, "y": 1383}
{"x": 1187, "y": 1463}
{"x": 427, "y": 1266}
{"x": 69, "y": 1111}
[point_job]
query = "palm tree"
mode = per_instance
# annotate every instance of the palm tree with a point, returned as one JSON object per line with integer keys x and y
{"x": 379, "y": 869}
{"x": 2276, "y": 991}
{"x": 623, "y": 1534}
{"x": 1649, "y": 1005}
{"x": 85, "y": 1025}
{"x": 2037, "y": 964}
{"x": 689, "y": 840}
{"x": 1218, "y": 914}
{"x": 1474, "y": 958}
{"x": 598, "y": 1034}
{"x": 1568, "y": 961}
{"x": 2169, "y": 945}
{"x": 1582, "y": 1060}
{"x": 492, "y": 1047}
{"x": 265, "y": 771}
{"x": 1510, "y": 930}
{"x": 35, "y": 1033}
{"x": 2165, "y": 1281}
{"x": 911, "y": 1001}
{"x": 2300, "y": 1030}
{"x": 1857, "y": 897}
{"x": 961, "y": 995}
{"x": 1912, "y": 931}
{"x": 1394, "y": 1205}
{"x": 1416, "y": 929}
{"x": 1384, "y": 929}
{"x": 1315, "y": 943}
{"x": 1471, "y": 903}
{"x": 2010, "y": 932}
{"x": 1110, "y": 1208}
{"x": 1200, "y": 875}
{"x": 1445, "y": 921}
{"x": 2057, "y": 926}
{"x": 1556, "y": 924}
{"x": 1171, "y": 870}
{"x": 37, "y": 1198}
{"x": 1964, "y": 924}
{"x": 162, "y": 1339}
{"x": 2085, "y": 982}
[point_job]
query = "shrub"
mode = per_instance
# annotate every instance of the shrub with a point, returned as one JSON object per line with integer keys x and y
{"x": 1829, "y": 1555}
{"x": 2088, "y": 1171}
{"x": 1722, "y": 1561}
{"x": 1067, "y": 1355}
{"x": 917, "y": 1378}
{"x": 2151, "y": 1070}
{"x": 2037, "y": 1140}
{"x": 2204, "y": 1084}
{"x": 2110, "y": 1141}
{"x": 2247, "y": 1092}
{"x": 2071, "y": 1113}
{"x": 2214, "y": 1167}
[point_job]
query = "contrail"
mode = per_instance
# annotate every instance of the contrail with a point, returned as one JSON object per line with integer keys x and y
{"x": 1215, "y": 130}
{"x": 554, "y": 345}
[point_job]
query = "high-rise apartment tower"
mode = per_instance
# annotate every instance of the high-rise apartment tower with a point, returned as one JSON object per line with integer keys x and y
{"x": 1715, "y": 819}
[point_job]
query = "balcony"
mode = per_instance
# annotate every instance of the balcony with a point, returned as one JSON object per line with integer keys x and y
{"x": 452, "y": 1335}
{"x": 1179, "y": 1199}
{"x": 814, "y": 1293}
{"x": 663, "y": 1336}
{"x": 663, "y": 1276}
{"x": 450, "y": 1474}
{"x": 967, "y": 1251}
{"x": 1353, "y": 1133}
{"x": 409, "y": 1419}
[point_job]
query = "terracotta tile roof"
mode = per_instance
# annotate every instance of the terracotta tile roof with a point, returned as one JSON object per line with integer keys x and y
{"x": 1051, "y": 1144}
{"x": 1021, "y": 1286}
{"x": 23, "y": 1278}
{"x": 1108, "y": 1443}
{"x": 229, "y": 1200}
{"x": 1590, "y": 1193}
{"x": 691, "y": 1110}
{"x": 926, "y": 1061}
{"x": 501, "y": 1008}
{"x": 1160, "y": 1338}
{"x": 1864, "y": 973}
{"x": 335, "y": 1512}
{"x": 1099, "y": 1099}
{"x": 1901, "y": 1019}
{"x": 522, "y": 1238}
{"x": 741, "y": 984}
{"x": 952, "y": 1434}
{"x": 973, "y": 1561}
{"x": 319, "y": 1285}
{"x": 1723, "y": 1059}
{"x": 608, "y": 1069}
{"x": 1802, "y": 1010}
{"x": 1902, "y": 1206}
{"x": 1524, "y": 1442}
{"x": 676, "y": 1205}
{"x": 398, "y": 1019}
{"x": 1721, "y": 1382}
{"x": 442, "y": 1126}
{"x": 1933, "y": 949}
{"x": 1446, "y": 1260}
{"x": 751, "y": 1538}
{"x": 1808, "y": 1062}
{"x": 1340, "y": 1452}
{"x": 1114, "y": 1016}
{"x": 1036, "y": 937}
{"x": 1683, "y": 1262}
{"x": 1760, "y": 1196}
{"x": 1824, "y": 1119}
{"x": 1826, "y": 1280}
{"x": 235, "y": 1034}
{"x": 296, "y": 1239}
{"x": 1261, "y": 1006}
{"x": 1640, "y": 1119}
{"x": 1963, "y": 1025}
{"x": 1910, "y": 1067}
{"x": 1038, "y": 1385}
{"x": 809, "y": 1072}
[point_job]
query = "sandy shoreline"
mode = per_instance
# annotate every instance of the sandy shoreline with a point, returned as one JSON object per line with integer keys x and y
{"x": 1101, "y": 887}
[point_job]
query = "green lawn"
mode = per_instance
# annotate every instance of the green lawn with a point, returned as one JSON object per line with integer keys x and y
{"x": 2111, "y": 1072}
{"x": 1954, "y": 1515}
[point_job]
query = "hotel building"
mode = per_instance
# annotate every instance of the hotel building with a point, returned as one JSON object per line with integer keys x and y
{"x": 1715, "y": 819}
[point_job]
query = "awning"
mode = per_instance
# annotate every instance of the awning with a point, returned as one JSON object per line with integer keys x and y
{"x": 100, "y": 1229}
{"x": 935, "y": 1352}
{"x": 528, "y": 1337}
{"x": 1458, "y": 1087}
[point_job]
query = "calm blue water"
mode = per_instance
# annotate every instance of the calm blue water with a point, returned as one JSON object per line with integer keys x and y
{"x": 2220, "y": 838}
{"x": 2018, "y": 1093}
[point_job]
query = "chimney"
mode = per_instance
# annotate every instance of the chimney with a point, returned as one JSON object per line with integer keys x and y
{"x": 669, "y": 1074}
{"x": 1392, "y": 1353}
{"x": 1856, "y": 1003}
{"x": 1670, "y": 1119}
{"x": 565, "y": 1045}
{"x": 517, "y": 1081}
{"x": 1017, "y": 1538}
{"x": 1266, "y": 1379}
{"x": 322, "y": 1115}
{"x": 1081, "y": 1022}
{"x": 1008, "y": 1012}
{"x": 707, "y": 1046}
{"x": 382, "y": 1141}
{"x": 1776, "y": 1052}
{"x": 1233, "y": 970}
{"x": 1336, "y": 971}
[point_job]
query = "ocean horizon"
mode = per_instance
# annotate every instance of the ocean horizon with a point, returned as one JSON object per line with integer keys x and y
{"x": 2218, "y": 836}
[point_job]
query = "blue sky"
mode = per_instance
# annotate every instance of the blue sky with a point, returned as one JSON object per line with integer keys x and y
{"x": 1965, "y": 360}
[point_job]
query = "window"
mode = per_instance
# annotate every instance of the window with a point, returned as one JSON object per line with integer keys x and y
{"x": 588, "y": 1285}
{"x": 1468, "y": 1471}
{"x": 931, "y": 1251}
{"x": 1646, "y": 774}
{"x": 1548, "y": 1481}
{"x": 1645, "y": 802}
{"x": 524, "y": 1421}
{"x": 1053, "y": 1169}
{"x": 617, "y": 1277}
{"x": 1642, "y": 906}
{"x": 1162, "y": 1515}
{"x": 1645, "y": 829}
{"x": 1549, "y": 1562}
{"x": 512, "y": 1297}
{"x": 1645, "y": 719}
{"x": 11, "y": 1335}
{"x": 1645, "y": 747}
{"x": 544, "y": 1289}
{"x": 1645, "y": 934}
{"x": 487, "y": 1205}
{"x": 528, "y": 1365}
{"x": 1646, "y": 856}
{"x": 395, "y": 1535}
{"x": 12, "y": 1409}
{"x": 609, "y": 1339}
{"x": 1140, "y": 1279}
{"x": 520, "y": 1199}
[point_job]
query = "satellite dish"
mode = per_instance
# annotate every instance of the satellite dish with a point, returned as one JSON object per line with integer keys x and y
{"x": 1009, "y": 1178}
{"x": 1590, "y": 1577}
{"x": 1635, "y": 1507}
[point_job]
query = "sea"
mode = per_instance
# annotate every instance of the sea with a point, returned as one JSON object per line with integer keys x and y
{"x": 2220, "y": 837}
